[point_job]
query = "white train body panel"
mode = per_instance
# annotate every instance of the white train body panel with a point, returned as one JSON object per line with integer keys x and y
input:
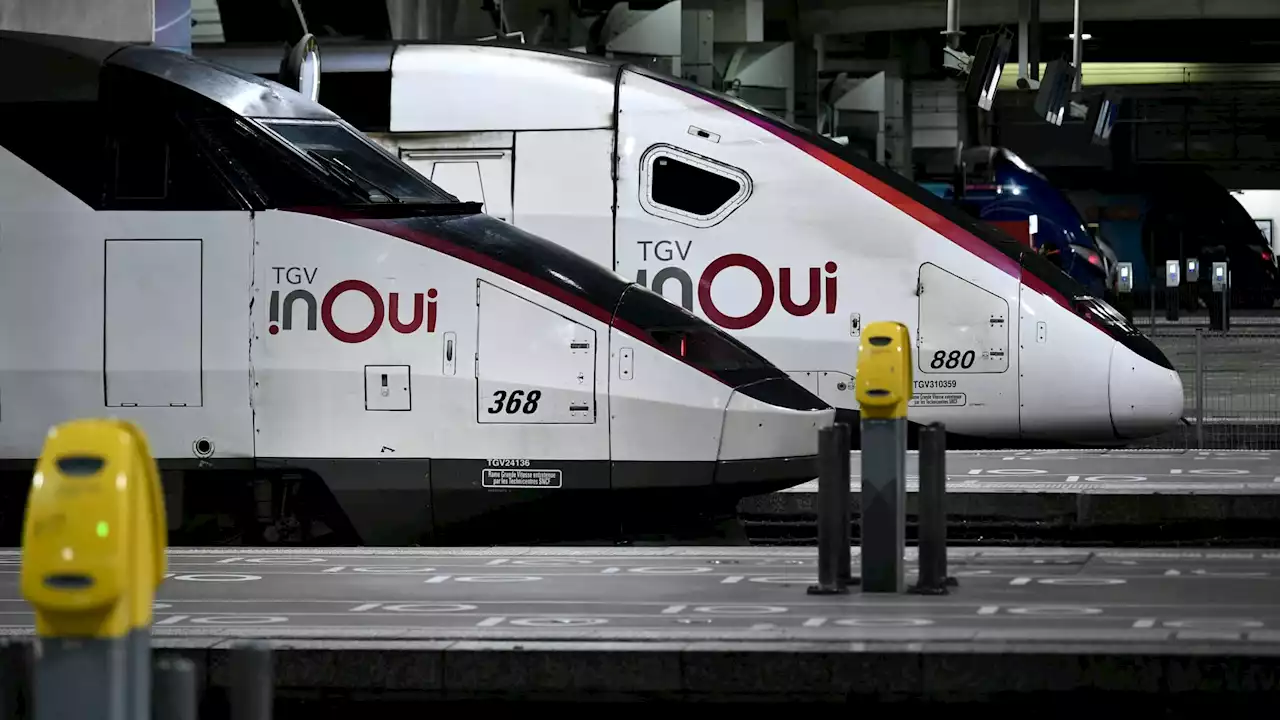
{"x": 801, "y": 248}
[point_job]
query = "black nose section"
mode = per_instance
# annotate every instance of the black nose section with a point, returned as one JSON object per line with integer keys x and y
{"x": 1142, "y": 346}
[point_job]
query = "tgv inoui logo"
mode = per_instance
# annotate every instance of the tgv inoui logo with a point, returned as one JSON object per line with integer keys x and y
{"x": 282, "y": 312}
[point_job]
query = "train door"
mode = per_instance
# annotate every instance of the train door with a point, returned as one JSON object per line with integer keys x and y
{"x": 964, "y": 374}
{"x": 473, "y": 174}
{"x": 537, "y": 388}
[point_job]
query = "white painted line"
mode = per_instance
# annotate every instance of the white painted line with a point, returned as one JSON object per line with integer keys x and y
{"x": 171, "y": 620}
{"x": 610, "y": 571}
{"x": 229, "y": 560}
{"x": 976, "y": 472}
{"x": 815, "y": 622}
{"x": 1175, "y": 472}
{"x": 764, "y": 626}
{"x": 988, "y": 609}
{"x": 490, "y": 621}
{"x": 1073, "y": 478}
{"x": 732, "y": 579}
{"x": 672, "y": 610}
{"x": 437, "y": 579}
{"x": 499, "y": 561}
{"x": 365, "y": 607}
{"x": 1144, "y": 623}
{"x": 1020, "y": 581}
{"x": 334, "y": 569}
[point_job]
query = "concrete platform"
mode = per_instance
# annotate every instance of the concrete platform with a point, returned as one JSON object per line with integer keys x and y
{"x": 1090, "y": 496}
{"x": 717, "y": 623}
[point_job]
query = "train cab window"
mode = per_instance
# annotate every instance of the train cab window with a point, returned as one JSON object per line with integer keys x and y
{"x": 357, "y": 163}
{"x": 688, "y": 188}
{"x": 262, "y": 169}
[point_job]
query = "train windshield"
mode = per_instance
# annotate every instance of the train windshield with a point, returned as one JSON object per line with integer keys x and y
{"x": 357, "y": 164}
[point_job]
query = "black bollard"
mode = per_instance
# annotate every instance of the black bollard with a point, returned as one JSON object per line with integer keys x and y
{"x": 932, "y": 513}
{"x": 173, "y": 689}
{"x": 844, "y": 433}
{"x": 15, "y": 678}
{"x": 251, "y": 680}
{"x": 829, "y": 512}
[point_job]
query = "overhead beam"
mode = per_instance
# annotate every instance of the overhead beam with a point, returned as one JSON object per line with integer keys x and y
{"x": 836, "y": 17}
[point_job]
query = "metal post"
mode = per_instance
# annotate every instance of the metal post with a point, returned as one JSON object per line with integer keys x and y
{"x": 174, "y": 689}
{"x": 1199, "y": 388}
{"x": 251, "y": 680}
{"x": 1077, "y": 50}
{"x": 932, "y": 525}
{"x": 884, "y": 500}
{"x": 829, "y": 511}
{"x": 953, "y": 24}
{"x": 844, "y": 568}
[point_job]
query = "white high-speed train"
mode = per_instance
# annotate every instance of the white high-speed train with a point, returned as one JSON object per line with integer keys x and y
{"x": 784, "y": 238}
{"x": 274, "y": 297}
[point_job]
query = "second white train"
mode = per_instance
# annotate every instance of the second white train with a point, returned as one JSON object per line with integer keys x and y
{"x": 783, "y": 238}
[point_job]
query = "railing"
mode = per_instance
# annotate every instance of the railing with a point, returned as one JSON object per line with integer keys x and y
{"x": 1231, "y": 385}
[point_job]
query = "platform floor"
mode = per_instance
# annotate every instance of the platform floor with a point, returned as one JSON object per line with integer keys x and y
{"x": 717, "y": 621}
{"x": 1214, "y": 492}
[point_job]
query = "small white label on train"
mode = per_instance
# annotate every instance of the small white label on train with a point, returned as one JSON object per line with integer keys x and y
{"x": 937, "y": 400}
{"x": 521, "y": 478}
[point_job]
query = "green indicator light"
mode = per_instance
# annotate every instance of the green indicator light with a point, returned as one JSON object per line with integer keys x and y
{"x": 103, "y": 529}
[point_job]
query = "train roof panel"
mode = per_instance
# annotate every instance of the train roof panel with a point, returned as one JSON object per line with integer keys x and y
{"x": 552, "y": 91}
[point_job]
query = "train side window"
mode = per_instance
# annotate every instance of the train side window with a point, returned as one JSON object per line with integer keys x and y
{"x": 688, "y": 188}
{"x": 154, "y": 166}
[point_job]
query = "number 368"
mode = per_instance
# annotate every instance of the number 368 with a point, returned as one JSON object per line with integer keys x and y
{"x": 515, "y": 402}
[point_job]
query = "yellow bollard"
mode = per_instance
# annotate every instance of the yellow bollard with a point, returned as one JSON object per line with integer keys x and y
{"x": 93, "y": 555}
{"x": 883, "y": 388}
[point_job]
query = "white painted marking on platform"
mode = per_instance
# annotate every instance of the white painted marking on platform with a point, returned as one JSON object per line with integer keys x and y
{"x": 497, "y": 578}
{"x": 558, "y": 622}
{"x": 499, "y": 561}
{"x": 240, "y": 620}
{"x": 429, "y": 607}
{"x": 436, "y": 580}
{"x": 1144, "y": 623}
{"x": 365, "y": 607}
{"x": 1020, "y": 581}
{"x": 764, "y": 626}
{"x": 673, "y": 609}
{"x": 732, "y": 579}
{"x": 610, "y": 570}
{"x": 172, "y": 619}
{"x": 229, "y": 560}
{"x": 975, "y": 472}
{"x": 884, "y": 622}
{"x": 1060, "y": 610}
{"x": 1073, "y": 478}
{"x": 676, "y": 570}
{"x": 490, "y": 621}
{"x": 815, "y": 622}
{"x": 1082, "y": 581}
{"x": 218, "y": 577}
{"x": 988, "y": 609}
{"x": 740, "y": 609}
{"x": 1176, "y": 471}
{"x": 1172, "y": 573}
{"x": 335, "y": 568}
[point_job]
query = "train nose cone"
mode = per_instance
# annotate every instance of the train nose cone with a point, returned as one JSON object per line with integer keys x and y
{"x": 1146, "y": 399}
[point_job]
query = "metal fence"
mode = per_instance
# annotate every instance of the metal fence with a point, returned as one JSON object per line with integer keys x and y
{"x": 1231, "y": 385}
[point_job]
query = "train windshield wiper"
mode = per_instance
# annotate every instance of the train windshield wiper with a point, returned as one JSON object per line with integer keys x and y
{"x": 352, "y": 179}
